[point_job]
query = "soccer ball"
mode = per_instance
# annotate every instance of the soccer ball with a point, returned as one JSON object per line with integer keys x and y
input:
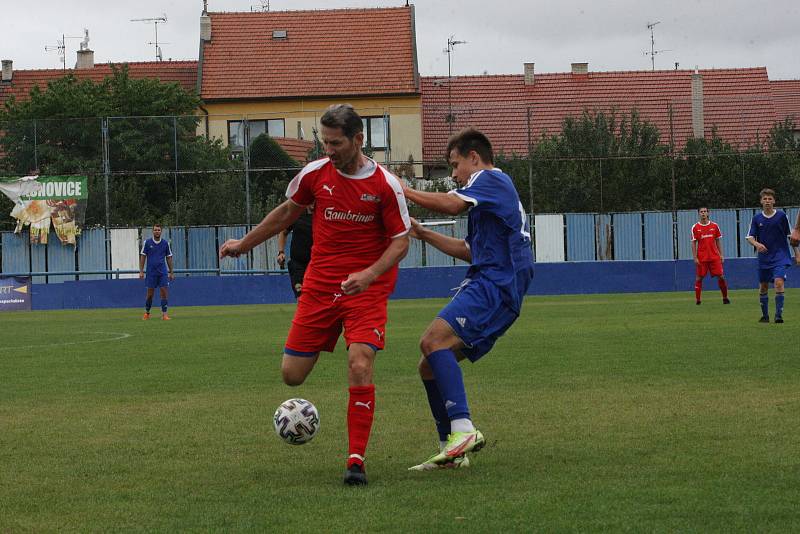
{"x": 296, "y": 421}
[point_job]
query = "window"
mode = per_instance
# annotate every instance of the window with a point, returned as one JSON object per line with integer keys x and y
{"x": 236, "y": 133}
{"x": 376, "y": 132}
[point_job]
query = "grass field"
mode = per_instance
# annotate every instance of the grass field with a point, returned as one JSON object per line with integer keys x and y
{"x": 602, "y": 413}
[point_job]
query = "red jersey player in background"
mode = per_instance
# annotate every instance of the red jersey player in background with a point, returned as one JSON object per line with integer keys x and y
{"x": 360, "y": 228}
{"x": 707, "y": 252}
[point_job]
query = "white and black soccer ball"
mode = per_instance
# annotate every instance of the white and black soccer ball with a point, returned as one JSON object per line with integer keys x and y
{"x": 296, "y": 421}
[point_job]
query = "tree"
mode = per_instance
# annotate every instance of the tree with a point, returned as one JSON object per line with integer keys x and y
{"x": 151, "y": 135}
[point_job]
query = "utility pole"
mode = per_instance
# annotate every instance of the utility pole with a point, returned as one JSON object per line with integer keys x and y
{"x": 451, "y": 43}
{"x": 156, "y": 21}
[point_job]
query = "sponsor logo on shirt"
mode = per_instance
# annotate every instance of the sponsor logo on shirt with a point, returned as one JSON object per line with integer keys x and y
{"x": 366, "y": 197}
{"x": 328, "y": 188}
{"x": 332, "y": 214}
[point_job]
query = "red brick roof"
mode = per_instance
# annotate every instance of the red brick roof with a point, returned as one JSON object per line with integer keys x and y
{"x": 182, "y": 72}
{"x": 738, "y": 102}
{"x": 297, "y": 148}
{"x": 337, "y": 52}
{"x": 786, "y": 97}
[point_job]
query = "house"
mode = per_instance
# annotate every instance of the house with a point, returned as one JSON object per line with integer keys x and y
{"x": 276, "y": 72}
{"x": 740, "y": 105}
{"x": 20, "y": 82}
{"x": 786, "y": 99}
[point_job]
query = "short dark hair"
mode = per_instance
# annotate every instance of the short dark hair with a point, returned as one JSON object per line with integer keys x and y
{"x": 766, "y": 191}
{"x": 157, "y": 224}
{"x": 702, "y": 208}
{"x": 345, "y": 117}
{"x": 468, "y": 140}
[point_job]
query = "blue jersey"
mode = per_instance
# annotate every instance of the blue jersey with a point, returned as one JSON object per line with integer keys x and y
{"x": 771, "y": 232}
{"x": 157, "y": 254}
{"x": 498, "y": 235}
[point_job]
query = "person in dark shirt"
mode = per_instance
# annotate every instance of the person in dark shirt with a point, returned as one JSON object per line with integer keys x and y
{"x": 299, "y": 251}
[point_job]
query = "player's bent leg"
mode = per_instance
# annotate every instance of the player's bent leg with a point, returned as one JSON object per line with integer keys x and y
{"x": 296, "y": 367}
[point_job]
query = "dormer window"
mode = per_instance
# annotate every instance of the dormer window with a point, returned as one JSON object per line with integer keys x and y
{"x": 279, "y": 34}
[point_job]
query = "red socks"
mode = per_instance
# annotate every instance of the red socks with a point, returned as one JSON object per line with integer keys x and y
{"x": 723, "y": 286}
{"x": 698, "y": 289}
{"x": 360, "y": 410}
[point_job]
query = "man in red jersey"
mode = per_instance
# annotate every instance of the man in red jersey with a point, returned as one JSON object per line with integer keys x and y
{"x": 360, "y": 228}
{"x": 707, "y": 252}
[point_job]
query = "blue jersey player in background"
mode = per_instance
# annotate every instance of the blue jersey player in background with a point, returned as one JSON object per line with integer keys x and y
{"x": 768, "y": 232}
{"x": 488, "y": 301}
{"x": 158, "y": 256}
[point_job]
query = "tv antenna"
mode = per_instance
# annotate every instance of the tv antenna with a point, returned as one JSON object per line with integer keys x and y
{"x": 653, "y": 52}
{"x": 264, "y": 7}
{"x": 156, "y": 21}
{"x": 61, "y": 46}
{"x": 451, "y": 44}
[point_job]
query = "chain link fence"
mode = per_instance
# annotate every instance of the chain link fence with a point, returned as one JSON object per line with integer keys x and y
{"x": 232, "y": 169}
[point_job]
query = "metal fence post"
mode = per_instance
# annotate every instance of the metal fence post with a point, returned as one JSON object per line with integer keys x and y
{"x": 175, "y": 176}
{"x": 107, "y": 174}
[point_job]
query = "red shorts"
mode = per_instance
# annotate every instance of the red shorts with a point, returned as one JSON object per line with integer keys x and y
{"x": 714, "y": 267}
{"x": 320, "y": 318}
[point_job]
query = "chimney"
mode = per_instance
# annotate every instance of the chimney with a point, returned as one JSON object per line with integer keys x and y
{"x": 529, "y": 73}
{"x": 580, "y": 68}
{"x": 698, "y": 120}
{"x": 205, "y": 27}
{"x": 85, "y": 59}
{"x": 8, "y": 70}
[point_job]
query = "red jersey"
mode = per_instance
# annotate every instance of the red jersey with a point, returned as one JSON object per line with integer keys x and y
{"x": 706, "y": 236}
{"x": 355, "y": 219}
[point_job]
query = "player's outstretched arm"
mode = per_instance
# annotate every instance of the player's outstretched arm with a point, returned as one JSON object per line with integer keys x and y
{"x": 451, "y": 246}
{"x": 274, "y": 222}
{"x": 439, "y": 202}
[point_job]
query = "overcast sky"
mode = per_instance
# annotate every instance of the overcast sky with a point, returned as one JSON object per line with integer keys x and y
{"x": 501, "y": 34}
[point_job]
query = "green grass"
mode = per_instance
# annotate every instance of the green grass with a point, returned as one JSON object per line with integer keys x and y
{"x": 602, "y": 413}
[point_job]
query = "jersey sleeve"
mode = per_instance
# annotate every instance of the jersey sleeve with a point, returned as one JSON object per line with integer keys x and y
{"x": 717, "y": 231}
{"x": 694, "y": 232}
{"x": 301, "y": 188}
{"x": 169, "y": 250}
{"x": 753, "y": 231}
{"x": 394, "y": 210}
{"x": 479, "y": 191}
{"x": 785, "y": 224}
{"x": 145, "y": 248}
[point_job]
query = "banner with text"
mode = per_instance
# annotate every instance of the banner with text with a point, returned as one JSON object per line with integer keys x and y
{"x": 40, "y": 200}
{"x": 15, "y": 293}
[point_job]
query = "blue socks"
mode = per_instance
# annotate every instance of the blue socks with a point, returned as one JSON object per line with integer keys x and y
{"x": 148, "y": 304}
{"x": 778, "y": 305}
{"x": 163, "y": 305}
{"x": 765, "y": 304}
{"x": 437, "y": 409}
{"x": 451, "y": 383}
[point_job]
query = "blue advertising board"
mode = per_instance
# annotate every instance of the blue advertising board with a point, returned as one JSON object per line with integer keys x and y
{"x": 15, "y": 293}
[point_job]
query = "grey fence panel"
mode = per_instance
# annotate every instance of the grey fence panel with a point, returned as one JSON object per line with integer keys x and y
{"x": 92, "y": 253}
{"x": 435, "y": 257}
{"x": 461, "y": 229}
{"x": 59, "y": 258}
{"x": 686, "y": 219}
{"x": 39, "y": 261}
{"x": 202, "y": 249}
{"x": 177, "y": 242}
{"x": 745, "y": 217}
{"x": 415, "y": 254}
{"x": 16, "y": 252}
{"x": 726, "y": 220}
{"x": 658, "y": 236}
{"x": 232, "y": 232}
{"x": 580, "y": 236}
{"x": 627, "y": 236}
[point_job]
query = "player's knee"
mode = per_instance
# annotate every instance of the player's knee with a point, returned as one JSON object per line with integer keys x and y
{"x": 292, "y": 378}
{"x": 424, "y": 368}
{"x": 359, "y": 367}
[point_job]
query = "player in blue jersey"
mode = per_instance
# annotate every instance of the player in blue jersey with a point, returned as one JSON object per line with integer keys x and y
{"x": 158, "y": 256}
{"x": 488, "y": 301}
{"x": 768, "y": 231}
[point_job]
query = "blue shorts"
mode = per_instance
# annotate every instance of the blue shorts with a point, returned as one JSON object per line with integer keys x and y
{"x": 154, "y": 280}
{"x": 478, "y": 315}
{"x": 766, "y": 276}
